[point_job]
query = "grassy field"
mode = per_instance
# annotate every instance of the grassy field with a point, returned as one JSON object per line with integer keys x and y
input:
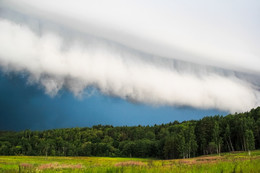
{"x": 227, "y": 162}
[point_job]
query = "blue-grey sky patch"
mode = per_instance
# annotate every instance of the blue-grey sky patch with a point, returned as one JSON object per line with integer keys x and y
{"x": 25, "y": 106}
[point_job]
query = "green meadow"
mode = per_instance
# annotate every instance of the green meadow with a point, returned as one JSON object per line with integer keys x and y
{"x": 226, "y": 162}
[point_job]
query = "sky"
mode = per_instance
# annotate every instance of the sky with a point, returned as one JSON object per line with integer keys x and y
{"x": 27, "y": 107}
{"x": 81, "y": 63}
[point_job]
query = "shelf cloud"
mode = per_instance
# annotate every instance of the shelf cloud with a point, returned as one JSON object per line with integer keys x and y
{"x": 176, "y": 53}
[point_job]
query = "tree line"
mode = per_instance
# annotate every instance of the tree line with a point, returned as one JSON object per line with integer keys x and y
{"x": 209, "y": 135}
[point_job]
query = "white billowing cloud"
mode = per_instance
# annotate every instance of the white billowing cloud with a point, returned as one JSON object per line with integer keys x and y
{"x": 203, "y": 54}
{"x": 117, "y": 71}
{"x": 220, "y": 33}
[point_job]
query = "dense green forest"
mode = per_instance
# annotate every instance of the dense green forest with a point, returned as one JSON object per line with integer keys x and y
{"x": 208, "y": 135}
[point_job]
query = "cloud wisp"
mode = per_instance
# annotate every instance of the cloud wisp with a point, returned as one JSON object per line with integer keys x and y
{"x": 67, "y": 46}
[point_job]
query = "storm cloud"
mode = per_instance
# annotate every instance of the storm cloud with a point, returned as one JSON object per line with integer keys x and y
{"x": 160, "y": 53}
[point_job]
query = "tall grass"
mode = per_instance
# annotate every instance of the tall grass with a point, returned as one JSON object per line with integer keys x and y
{"x": 227, "y": 162}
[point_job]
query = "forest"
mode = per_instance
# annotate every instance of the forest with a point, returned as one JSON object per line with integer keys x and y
{"x": 209, "y": 135}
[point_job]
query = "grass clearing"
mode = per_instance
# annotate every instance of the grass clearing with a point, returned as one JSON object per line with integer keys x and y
{"x": 226, "y": 162}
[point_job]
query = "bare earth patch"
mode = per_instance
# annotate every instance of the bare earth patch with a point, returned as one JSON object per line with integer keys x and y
{"x": 188, "y": 162}
{"x": 208, "y": 159}
{"x": 130, "y": 163}
{"x": 59, "y": 166}
{"x": 26, "y": 165}
{"x": 200, "y": 160}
